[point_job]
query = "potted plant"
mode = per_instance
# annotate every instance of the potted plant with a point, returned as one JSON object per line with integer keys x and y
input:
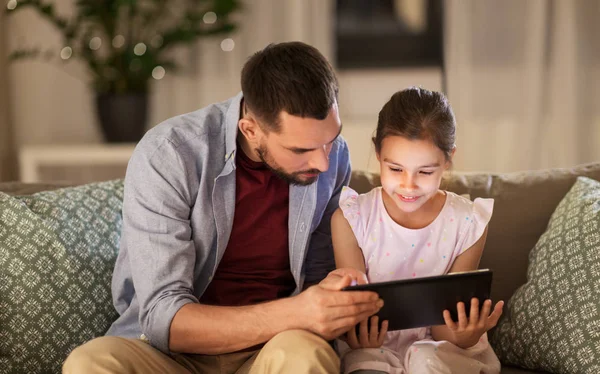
{"x": 125, "y": 44}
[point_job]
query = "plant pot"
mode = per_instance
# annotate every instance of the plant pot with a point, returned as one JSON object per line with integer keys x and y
{"x": 122, "y": 116}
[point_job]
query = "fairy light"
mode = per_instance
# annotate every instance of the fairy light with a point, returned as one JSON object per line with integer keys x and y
{"x": 66, "y": 53}
{"x": 95, "y": 43}
{"x": 227, "y": 45}
{"x": 210, "y": 18}
{"x": 139, "y": 49}
{"x": 158, "y": 73}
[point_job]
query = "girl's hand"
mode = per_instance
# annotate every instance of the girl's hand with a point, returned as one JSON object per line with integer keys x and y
{"x": 368, "y": 337}
{"x": 467, "y": 332}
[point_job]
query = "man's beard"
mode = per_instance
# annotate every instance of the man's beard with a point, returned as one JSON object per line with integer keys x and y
{"x": 291, "y": 178}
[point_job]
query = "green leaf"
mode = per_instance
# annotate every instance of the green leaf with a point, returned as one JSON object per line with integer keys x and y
{"x": 225, "y": 7}
{"x": 47, "y": 9}
{"x": 222, "y": 29}
{"x": 24, "y": 54}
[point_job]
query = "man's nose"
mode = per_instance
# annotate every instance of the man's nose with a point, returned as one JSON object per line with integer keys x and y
{"x": 320, "y": 159}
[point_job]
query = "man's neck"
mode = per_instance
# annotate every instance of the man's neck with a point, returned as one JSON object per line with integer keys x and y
{"x": 246, "y": 148}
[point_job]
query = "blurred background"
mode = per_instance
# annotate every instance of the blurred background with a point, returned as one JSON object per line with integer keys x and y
{"x": 523, "y": 76}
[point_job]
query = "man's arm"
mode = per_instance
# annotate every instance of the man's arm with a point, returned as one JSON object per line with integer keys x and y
{"x": 321, "y": 309}
{"x": 158, "y": 237}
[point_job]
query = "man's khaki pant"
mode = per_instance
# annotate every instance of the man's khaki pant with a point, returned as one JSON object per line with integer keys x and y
{"x": 294, "y": 351}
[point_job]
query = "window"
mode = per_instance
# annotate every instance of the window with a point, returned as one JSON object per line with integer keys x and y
{"x": 388, "y": 33}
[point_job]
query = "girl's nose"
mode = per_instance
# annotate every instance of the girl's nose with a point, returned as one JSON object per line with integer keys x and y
{"x": 407, "y": 183}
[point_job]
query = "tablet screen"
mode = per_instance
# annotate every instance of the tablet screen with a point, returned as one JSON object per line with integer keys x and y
{"x": 420, "y": 302}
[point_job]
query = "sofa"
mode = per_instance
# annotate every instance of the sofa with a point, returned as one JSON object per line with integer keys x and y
{"x": 58, "y": 245}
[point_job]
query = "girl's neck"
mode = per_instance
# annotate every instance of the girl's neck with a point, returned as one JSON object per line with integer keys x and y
{"x": 418, "y": 219}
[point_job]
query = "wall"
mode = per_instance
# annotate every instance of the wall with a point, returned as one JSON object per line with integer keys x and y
{"x": 53, "y": 104}
{"x": 7, "y": 162}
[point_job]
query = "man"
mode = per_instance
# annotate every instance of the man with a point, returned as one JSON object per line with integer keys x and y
{"x": 226, "y": 225}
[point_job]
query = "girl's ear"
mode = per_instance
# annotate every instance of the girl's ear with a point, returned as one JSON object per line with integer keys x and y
{"x": 375, "y": 148}
{"x": 449, "y": 162}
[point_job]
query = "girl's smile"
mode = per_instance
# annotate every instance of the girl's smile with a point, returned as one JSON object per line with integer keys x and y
{"x": 407, "y": 199}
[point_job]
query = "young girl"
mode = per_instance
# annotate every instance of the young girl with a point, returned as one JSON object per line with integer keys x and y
{"x": 410, "y": 228}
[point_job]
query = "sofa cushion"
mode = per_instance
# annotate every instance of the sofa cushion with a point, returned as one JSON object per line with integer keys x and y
{"x": 552, "y": 322}
{"x": 57, "y": 252}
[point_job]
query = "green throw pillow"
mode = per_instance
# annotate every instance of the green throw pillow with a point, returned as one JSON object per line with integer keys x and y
{"x": 552, "y": 322}
{"x": 57, "y": 252}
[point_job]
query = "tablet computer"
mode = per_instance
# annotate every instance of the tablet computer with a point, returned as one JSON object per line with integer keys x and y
{"x": 420, "y": 302}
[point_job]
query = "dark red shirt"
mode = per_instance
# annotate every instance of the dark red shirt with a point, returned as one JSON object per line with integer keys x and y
{"x": 256, "y": 264}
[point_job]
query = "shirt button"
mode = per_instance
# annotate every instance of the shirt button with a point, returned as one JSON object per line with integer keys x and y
{"x": 302, "y": 227}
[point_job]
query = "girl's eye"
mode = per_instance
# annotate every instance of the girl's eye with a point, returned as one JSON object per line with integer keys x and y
{"x": 427, "y": 172}
{"x": 395, "y": 169}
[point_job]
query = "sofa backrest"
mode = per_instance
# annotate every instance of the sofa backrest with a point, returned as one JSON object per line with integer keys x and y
{"x": 524, "y": 202}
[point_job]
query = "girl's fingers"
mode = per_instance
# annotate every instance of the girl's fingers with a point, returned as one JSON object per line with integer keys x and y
{"x": 492, "y": 320}
{"x": 345, "y": 323}
{"x": 363, "y": 337}
{"x": 449, "y": 322}
{"x": 374, "y": 331}
{"x": 462, "y": 315}
{"x": 352, "y": 339}
{"x": 382, "y": 333}
{"x": 474, "y": 313}
{"x": 485, "y": 310}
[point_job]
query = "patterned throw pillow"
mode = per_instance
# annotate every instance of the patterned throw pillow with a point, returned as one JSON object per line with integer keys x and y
{"x": 552, "y": 322}
{"x": 57, "y": 252}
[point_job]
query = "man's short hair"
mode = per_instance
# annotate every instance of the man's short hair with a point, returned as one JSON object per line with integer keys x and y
{"x": 293, "y": 77}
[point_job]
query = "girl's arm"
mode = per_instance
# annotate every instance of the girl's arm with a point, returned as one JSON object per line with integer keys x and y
{"x": 468, "y": 335}
{"x": 469, "y": 259}
{"x": 345, "y": 246}
{"x": 349, "y": 260}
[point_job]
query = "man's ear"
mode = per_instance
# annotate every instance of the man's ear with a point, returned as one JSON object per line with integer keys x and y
{"x": 250, "y": 129}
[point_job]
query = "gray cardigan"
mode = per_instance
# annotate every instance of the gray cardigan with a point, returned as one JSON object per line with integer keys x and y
{"x": 178, "y": 212}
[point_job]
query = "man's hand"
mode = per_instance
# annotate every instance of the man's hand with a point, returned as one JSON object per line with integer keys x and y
{"x": 331, "y": 282}
{"x": 329, "y": 312}
{"x": 467, "y": 332}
